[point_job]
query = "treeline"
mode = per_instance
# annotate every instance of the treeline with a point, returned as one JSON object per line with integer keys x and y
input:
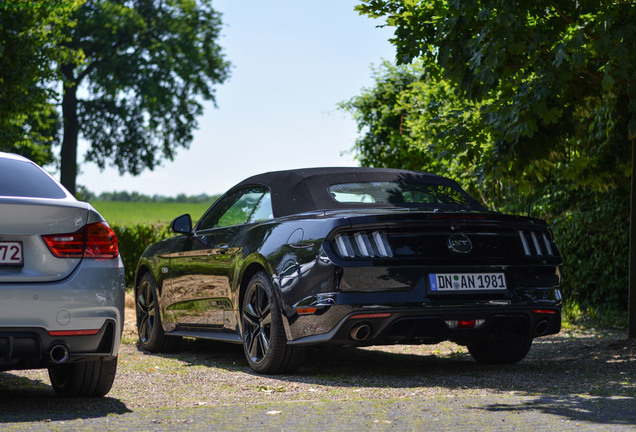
{"x": 125, "y": 196}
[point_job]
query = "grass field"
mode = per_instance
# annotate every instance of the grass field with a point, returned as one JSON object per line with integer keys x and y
{"x": 127, "y": 213}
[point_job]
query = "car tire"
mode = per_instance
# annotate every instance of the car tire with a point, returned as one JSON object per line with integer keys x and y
{"x": 264, "y": 339}
{"x": 149, "y": 329}
{"x": 90, "y": 378}
{"x": 508, "y": 351}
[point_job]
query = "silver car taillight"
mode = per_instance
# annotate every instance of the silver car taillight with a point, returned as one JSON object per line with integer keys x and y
{"x": 362, "y": 244}
{"x": 95, "y": 240}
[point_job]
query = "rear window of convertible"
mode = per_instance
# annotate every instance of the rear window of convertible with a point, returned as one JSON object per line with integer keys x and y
{"x": 416, "y": 194}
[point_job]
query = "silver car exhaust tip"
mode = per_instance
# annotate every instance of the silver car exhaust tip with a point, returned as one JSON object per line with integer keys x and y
{"x": 59, "y": 353}
{"x": 360, "y": 332}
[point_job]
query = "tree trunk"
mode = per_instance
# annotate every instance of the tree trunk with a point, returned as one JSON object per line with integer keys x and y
{"x": 632, "y": 251}
{"x": 68, "y": 152}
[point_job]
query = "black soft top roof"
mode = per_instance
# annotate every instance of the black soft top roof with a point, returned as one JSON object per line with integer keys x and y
{"x": 304, "y": 190}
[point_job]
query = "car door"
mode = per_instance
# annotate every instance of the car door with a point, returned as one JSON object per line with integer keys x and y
{"x": 201, "y": 274}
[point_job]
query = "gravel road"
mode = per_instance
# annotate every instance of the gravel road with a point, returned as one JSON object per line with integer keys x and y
{"x": 575, "y": 381}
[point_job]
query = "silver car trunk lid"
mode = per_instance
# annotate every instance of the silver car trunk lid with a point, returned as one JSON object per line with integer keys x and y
{"x": 24, "y": 221}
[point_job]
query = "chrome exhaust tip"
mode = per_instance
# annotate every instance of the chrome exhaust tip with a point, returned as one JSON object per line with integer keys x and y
{"x": 360, "y": 332}
{"x": 59, "y": 353}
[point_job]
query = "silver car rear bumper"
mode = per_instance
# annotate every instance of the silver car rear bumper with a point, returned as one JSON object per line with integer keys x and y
{"x": 73, "y": 319}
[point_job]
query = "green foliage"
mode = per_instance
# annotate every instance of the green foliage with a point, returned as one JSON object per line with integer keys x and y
{"x": 134, "y": 76}
{"x": 592, "y": 238}
{"x": 555, "y": 81}
{"x": 380, "y": 115}
{"x": 148, "y": 67}
{"x": 414, "y": 121}
{"x": 593, "y": 316}
{"x": 133, "y": 240}
{"x": 31, "y": 44}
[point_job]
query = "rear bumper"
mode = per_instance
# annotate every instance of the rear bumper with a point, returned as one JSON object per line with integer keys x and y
{"x": 361, "y": 325}
{"x": 91, "y": 298}
{"x": 34, "y": 348}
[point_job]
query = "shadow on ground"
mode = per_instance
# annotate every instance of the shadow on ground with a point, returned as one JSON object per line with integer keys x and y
{"x": 31, "y": 400}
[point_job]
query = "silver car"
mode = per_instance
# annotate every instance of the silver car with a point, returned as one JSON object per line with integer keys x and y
{"x": 61, "y": 283}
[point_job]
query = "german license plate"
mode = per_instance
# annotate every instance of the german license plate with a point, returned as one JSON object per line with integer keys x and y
{"x": 461, "y": 282}
{"x": 11, "y": 253}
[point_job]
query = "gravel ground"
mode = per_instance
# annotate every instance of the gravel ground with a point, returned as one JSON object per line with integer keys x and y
{"x": 577, "y": 380}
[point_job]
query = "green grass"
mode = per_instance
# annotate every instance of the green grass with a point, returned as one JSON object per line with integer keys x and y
{"x": 155, "y": 213}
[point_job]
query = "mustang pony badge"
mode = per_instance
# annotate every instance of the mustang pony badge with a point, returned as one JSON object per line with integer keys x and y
{"x": 459, "y": 243}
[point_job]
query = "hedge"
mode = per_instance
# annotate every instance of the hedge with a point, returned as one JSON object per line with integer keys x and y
{"x": 133, "y": 241}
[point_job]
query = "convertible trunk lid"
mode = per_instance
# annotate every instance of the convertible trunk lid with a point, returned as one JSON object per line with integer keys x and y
{"x": 485, "y": 253}
{"x": 454, "y": 238}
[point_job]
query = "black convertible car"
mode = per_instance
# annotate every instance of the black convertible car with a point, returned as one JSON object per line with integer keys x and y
{"x": 353, "y": 257}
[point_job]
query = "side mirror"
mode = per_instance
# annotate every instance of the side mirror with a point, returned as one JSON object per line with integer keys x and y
{"x": 182, "y": 224}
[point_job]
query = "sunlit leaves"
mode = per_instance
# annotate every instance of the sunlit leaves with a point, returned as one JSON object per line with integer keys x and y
{"x": 540, "y": 70}
{"x": 31, "y": 44}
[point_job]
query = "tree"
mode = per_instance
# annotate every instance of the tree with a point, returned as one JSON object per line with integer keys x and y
{"x": 554, "y": 82}
{"x": 135, "y": 98}
{"x": 539, "y": 68}
{"x": 31, "y": 45}
{"x": 414, "y": 121}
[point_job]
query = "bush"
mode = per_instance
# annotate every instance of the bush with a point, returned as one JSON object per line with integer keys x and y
{"x": 133, "y": 241}
{"x": 593, "y": 240}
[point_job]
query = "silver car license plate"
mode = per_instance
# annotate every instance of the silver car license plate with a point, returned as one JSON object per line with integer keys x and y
{"x": 11, "y": 253}
{"x": 461, "y": 282}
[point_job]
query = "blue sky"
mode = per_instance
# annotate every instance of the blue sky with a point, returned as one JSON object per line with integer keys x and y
{"x": 292, "y": 62}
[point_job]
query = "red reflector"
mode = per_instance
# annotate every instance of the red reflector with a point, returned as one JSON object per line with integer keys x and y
{"x": 306, "y": 311}
{"x": 463, "y": 324}
{"x": 96, "y": 240}
{"x": 371, "y": 315}
{"x": 543, "y": 311}
{"x": 73, "y": 332}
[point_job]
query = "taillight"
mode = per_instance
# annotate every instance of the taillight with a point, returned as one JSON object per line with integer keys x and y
{"x": 363, "y": 245}
{"x": 536, "y": 243}
{"x": 96, "y": 240}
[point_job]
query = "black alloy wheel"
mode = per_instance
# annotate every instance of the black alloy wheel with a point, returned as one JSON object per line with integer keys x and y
{"x": 264, "y": 340}
{"x": 149, "y": 328}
